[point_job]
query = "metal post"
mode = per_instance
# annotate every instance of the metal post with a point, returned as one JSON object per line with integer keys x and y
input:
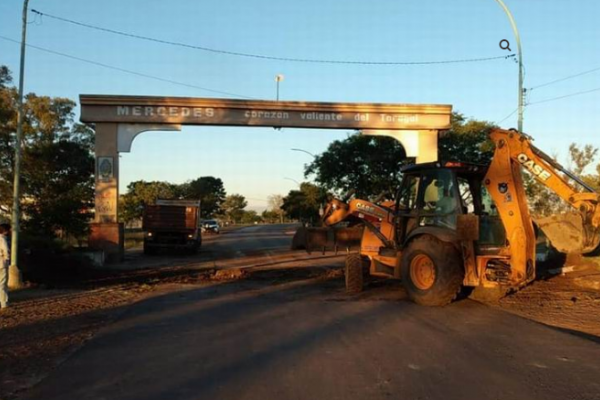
{"x": 14, "y": 276}
{"x": 517, "y": 37}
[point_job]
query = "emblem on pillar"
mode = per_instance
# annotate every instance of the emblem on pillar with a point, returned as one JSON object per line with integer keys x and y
{"x": 105, "y": 169}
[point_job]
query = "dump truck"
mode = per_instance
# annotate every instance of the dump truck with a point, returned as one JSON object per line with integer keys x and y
{"x": 172, "y": 224}
{"x": 455, "y": 225}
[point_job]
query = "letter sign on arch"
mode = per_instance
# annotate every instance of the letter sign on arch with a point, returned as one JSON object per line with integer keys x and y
{"x": 119, "y": 119}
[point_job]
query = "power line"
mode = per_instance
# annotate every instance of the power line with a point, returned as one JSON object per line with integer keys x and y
{"x": 507, "y": 117}
{"x": 262, "y": 56}
{"x": 565, "y": 96}
{"x": 127, "y": 71}
{"x": 566, "y": 78}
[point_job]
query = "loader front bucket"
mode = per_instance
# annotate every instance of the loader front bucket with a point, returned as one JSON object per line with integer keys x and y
{"x": 570, "y": 233}
{"x": 327, "y": 239}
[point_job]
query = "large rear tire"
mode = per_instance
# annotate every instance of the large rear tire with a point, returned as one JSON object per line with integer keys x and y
{"x": 432, "y": 271}
{"x": 354, "y": 273}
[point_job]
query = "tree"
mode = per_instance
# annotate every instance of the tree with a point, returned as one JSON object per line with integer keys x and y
{"x": 59, "y": 188}
{"x": 233, "y": 207}
{"x": 271, "y": 217}
{"x": 304, "y": 204}
{"x": 367, "y": 164}
{"x": 581, "y": 157}
{"x": 371, "y": 165}
{"x": 5, "y": 76}
{"x": 209, "y": 190}
{"x": 8, "y": 118}
{"x": 467, "y": 140}
{"x": 543, "y": 201}
{"x": 58, "y": 165}
{"x": 141, "y": 193}
{"x": 250, "y": 217}
{"x": 275, "y": 202}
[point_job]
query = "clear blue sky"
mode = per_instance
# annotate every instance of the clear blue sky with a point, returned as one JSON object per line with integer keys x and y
{"x": 560, "y": 38}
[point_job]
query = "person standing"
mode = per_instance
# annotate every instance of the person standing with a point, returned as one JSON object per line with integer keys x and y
{"x": 4, "y": 263}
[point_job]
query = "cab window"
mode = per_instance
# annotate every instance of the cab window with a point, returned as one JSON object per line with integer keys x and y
{"x": 466, "y": 196}
{"x": 438, "y": 192}
{"x": 407, "y": 198}
{"x": 438, "y": 199}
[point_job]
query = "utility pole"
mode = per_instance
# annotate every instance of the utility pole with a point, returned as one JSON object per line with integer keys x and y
{"x": 518, "y": 39}
{"x": 14, "y": 274}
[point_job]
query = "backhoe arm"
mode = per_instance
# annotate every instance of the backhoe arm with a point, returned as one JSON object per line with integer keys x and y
{"x": 513, "y": 152}
{"x": 505, "y": 184}
{"x": 547, "y": 171}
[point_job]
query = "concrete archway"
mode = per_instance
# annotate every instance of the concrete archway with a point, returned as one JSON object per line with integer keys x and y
{"x": 119, "y": 119}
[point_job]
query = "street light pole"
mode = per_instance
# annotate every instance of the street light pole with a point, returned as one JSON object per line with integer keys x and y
{"x": 304, "y": 151}
{"x": 14, "y": 275}
{"x": 293, "y": 180}
{"x": 518, "y": 38}
{"x": 278, "y": 79}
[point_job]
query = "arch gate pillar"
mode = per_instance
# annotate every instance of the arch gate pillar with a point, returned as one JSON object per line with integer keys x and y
{"x": 421, "y": 144}
{"x": 106, "y": 232}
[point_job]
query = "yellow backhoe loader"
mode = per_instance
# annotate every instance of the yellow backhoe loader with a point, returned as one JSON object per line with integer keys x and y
{"x": 455, "y": 225}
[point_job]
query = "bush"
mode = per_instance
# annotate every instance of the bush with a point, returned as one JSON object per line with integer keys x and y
{"x": 50, "y": 261}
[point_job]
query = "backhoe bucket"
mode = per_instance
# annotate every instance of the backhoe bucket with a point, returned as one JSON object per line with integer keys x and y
{"x": 327, "y": 239}
{"x": 569, "y": 233}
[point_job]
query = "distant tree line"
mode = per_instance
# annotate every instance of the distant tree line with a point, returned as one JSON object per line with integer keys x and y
{"x": 214, "y": 201}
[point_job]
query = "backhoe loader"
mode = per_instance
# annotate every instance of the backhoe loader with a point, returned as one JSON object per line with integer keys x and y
{"x": 455, "y": 225}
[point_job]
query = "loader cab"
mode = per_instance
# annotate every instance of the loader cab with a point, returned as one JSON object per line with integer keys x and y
{"x": 433, "y": 195}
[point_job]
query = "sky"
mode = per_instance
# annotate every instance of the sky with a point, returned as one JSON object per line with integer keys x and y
{"x": 559, "y": 39}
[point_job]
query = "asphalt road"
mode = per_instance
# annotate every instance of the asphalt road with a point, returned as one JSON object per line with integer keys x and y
{"x": 304, "y": 339}
{"x": 255, "y": 244}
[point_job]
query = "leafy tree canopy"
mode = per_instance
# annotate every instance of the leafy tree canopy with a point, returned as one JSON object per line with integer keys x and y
{"x": 304, "y": 204}
{"x": 233, "y": 207}
{"x": 141, "y": 193}
{"x": 271, "y": 217}
{"x": 371, "y": 165}
{"x": 366, "y": 164}
{"x": 250, "y": 217}
{"x": 581, "y": 161}
{"x": 57, "y": 182}
{"x": 209, "y": 190}
{"x": 467, "y": 140}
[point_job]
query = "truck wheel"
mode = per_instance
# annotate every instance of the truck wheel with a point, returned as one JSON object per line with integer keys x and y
{"x": 354, "y": 273}
{"x": 432, "y": 271}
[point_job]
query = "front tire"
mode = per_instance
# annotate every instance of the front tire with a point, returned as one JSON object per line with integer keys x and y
{"x": 354, "y": 273}
{"x": 432, "y": 271}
